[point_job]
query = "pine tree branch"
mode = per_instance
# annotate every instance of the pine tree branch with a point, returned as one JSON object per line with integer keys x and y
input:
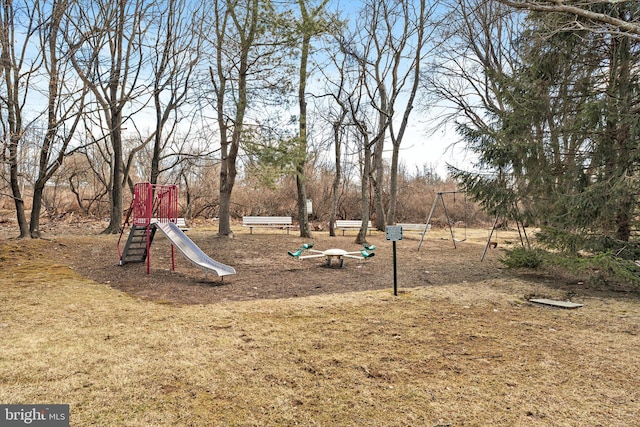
{"x": 621, "y": 26}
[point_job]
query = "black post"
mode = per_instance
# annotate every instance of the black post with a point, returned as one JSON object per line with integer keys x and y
{"x": 395, "y": 271}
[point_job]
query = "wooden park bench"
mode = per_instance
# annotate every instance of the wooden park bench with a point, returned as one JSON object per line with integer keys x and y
{"x": 348, "y": 224}
{"x": 267, "y": 222}
{"x": 180, "y": 222}
{"x": 414, "y": 228}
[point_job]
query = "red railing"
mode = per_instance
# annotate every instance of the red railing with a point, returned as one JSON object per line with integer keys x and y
{"x": 151, "y": 202}
{"x": 154, "y": 201}
{"x": 166, "y": 209}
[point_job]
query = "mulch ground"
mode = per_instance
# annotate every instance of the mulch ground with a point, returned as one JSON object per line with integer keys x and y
{"x": 265, "y": 271}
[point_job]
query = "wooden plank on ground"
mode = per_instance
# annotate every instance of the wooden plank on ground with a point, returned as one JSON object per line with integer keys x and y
{"x": 554, "y": 303}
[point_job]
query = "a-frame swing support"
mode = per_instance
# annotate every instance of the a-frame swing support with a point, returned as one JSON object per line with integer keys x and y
{"x": 439, "y": 197}
{"x": 522, "y": 233}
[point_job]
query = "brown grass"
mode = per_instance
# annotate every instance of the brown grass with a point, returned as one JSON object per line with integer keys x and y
{"x": 472, "y": 354}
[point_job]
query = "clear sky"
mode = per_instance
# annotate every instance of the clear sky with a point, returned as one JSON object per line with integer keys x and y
{"x": 435, "y": 149}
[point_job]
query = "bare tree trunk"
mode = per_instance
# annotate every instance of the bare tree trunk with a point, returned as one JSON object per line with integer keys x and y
{"x": 15, "y": 187}
{"x": 393, "y": 185}
{"x": 57, "y": 115}
{"x": 227, "y": 180}
{"x": 302, "y": 138}
{"x": 36, "y": 210}
{"x": 378, "y": 161}
{"x": 115, "y": 124}
{"x": 117, "y": 170}
{"x": 225, "y": 19}
{"x": 13, "y": 130}
{"x": 312, "y": 23}
{"x": 335, "y": 187}
{"x": 361, "y": 238}
{"x": 38, "y": 192}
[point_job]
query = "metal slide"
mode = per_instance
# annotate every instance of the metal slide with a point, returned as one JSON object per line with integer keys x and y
{"x": 191, "y": 251}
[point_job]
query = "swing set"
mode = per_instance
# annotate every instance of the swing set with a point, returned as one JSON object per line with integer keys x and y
{"x": 440, "y": 198}
{"x": 522, "y": 232}
{"x": 524, "y": 239}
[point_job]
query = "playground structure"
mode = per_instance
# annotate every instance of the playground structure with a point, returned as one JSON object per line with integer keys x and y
{"x": 339, "y": 254}
{"x": 155, "y": 207}
{"x": 440, "y": 198}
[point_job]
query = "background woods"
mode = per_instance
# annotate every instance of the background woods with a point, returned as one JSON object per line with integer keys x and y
{"x": 255, "y": 106}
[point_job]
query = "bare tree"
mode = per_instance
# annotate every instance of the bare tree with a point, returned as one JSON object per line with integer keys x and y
{"x": 33, "y": 76}
{"x": 369, "y": 46}
{"x": 359, "y": 115}
{"x": 390, "y": 47}
{"x": 314, "y": 22}
{"x": 235, "y": 30}
{"x": 177, "y": 44}
{"x": 107, "y": 50}
{"x": 17, "y": 72}
{"x": 65, "y": 102}
{"x": 479, "y": 42}
{"x": 245, "y": 64}
{"x": 337, "y": 115}
{"x": 408, "y": 57}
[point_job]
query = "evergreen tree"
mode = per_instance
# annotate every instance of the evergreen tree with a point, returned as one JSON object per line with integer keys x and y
{"x": 565, "y": 144}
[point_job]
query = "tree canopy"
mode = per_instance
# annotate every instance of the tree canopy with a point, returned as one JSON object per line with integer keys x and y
{"x": 562, "y": 140}
{"x": 546, "y": 94}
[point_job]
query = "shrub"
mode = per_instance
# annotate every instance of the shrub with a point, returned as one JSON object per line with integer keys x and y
{"x": 606, "y": 268}
{"x": 522, "y": 258}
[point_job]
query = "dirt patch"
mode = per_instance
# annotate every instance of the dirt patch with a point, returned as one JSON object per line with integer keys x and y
{"x": 265, "y": 271}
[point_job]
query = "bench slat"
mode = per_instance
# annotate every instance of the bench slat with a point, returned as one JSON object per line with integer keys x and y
{"x": 267, "y": 222}
{"x": 414, "y": 227}
{"x": 351, "y": 224}
{"x": 180, "y": 222}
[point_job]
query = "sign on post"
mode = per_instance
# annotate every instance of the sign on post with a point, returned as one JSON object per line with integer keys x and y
{"x": 394, "y": 232}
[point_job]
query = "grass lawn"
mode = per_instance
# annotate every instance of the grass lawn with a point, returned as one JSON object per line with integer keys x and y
{"x": 465, "y": 354}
